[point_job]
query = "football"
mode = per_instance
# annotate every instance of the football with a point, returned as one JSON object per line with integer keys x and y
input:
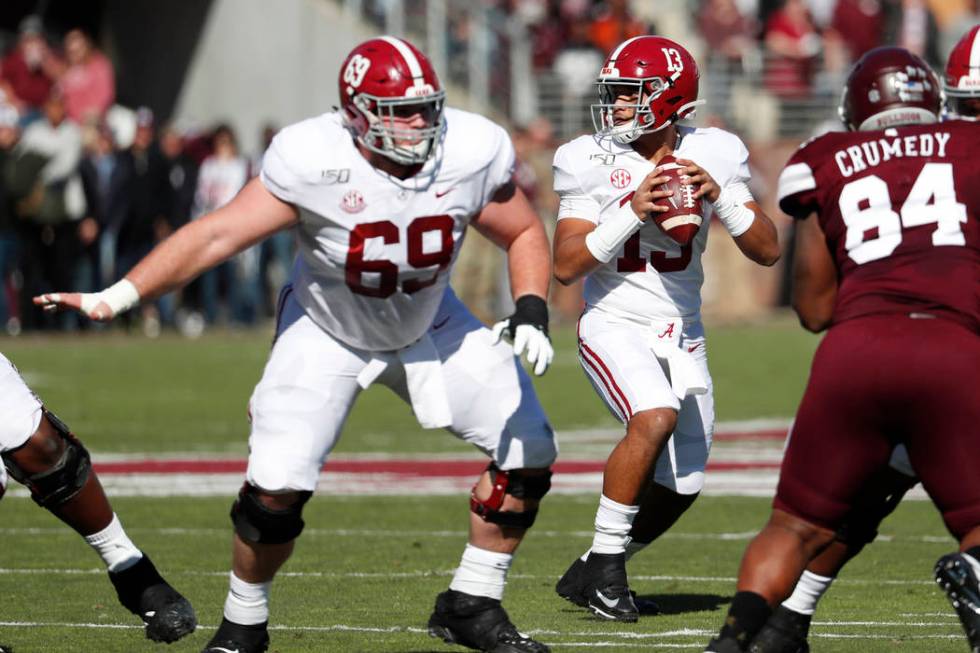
{"x": 683, "y": 218}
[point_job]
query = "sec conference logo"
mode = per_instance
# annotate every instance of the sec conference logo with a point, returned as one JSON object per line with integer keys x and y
{"x": 620, "y": 178}
{"x": 353, "y": 202}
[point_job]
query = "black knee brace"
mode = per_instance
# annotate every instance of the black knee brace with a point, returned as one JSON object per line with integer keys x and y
{"x": 64, "y": 479}
{"x": 516, "y": 484}
{"x": 255, "y": 522}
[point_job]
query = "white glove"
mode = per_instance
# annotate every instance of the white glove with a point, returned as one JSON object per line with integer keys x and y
{"x": 527, "y": 328}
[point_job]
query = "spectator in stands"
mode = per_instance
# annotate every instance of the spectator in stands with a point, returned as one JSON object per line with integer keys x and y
{"x": 221, "y": 176}
{"x": 614, "y": 24}
{"x": 27, "y": 72}
{"x": 728, "y": 32}
{"x": 86, "y": 78}
{"x": 181, "y": 181}
{"x": 9, "y": 135}
{"x": 793, "y": 44}
{"x": 856, "y": 27}
{"x": 912, "y": 25}
{"x": 47, "y": 158}
{"x": 576, "y": 65}
{"x": 547, "y": 35}
{"x": 106, "y": 177}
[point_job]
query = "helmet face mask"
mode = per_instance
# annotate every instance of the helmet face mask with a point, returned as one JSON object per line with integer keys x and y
{"x": 391, "y": 131}
{"x": 645, "y": 85}
{"x": 889, "y": 87}
{"x": 392, "y": 100}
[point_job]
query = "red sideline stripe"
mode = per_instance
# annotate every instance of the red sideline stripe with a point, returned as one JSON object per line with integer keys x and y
{"x": 419, "y": 468}
{"x": 763, "y": 434}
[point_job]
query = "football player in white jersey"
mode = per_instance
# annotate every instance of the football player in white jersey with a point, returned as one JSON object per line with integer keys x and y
{"x": 40, "y": 451}
{"x": 379, "y": 194}
{"x": 641, "y": 342}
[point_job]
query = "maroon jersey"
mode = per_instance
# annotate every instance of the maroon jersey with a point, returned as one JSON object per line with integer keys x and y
{"x": 900, "y": 210}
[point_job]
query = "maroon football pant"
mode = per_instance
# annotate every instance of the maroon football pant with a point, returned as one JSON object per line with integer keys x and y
{"x": 876, "y": 382}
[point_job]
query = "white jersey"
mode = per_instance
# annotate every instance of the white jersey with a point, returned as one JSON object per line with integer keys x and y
{"x": 375, "y": 251}
{"x": 652, "y": 277}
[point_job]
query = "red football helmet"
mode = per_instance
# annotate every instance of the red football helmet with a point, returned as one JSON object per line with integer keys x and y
{"x": 662, "y": 75}
{"x": 385, "y": 79}
{"x": 962, "y": 83}
{"x": 888, "y": 87}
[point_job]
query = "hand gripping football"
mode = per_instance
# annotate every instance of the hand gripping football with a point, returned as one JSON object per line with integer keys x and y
{"x": 682, "y": 219}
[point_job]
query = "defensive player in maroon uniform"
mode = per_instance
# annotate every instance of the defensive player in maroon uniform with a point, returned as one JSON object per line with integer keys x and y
{"x": 888, "y": 263}
{"x": 788, "y": 626}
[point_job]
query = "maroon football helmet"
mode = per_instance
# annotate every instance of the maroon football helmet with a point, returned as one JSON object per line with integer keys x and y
{"x": 384, "y": 79}
{"x": 661, "y": 73}
{"x": 962, "y": 82}
{"x": 888, "y": 87}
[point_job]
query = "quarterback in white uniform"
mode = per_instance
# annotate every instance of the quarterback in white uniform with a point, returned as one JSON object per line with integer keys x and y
{"x": 641, "y": 342}
{"x": 40, "y": 451}
{"x": 380, "y": 195}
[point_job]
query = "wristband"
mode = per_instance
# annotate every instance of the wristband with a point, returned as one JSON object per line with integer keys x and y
{"x": 119, "y": 297}
{"x": 731, "y": 209}
{"x": 604, "y": 241}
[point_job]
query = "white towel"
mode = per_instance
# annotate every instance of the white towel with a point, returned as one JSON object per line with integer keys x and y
{"x": 423, "y": 376}
{"x": 685, "y": 373}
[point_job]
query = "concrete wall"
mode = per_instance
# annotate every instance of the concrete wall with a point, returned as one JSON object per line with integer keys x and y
{"x": 259, "y": 61}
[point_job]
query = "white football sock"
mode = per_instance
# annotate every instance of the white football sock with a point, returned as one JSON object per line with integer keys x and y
{"x": 482, "y": 572}
{"x": 613, "y": 522}
{"x": 247, "y": 603}
{"x": 808, "y": 591}
{"x": 114, "y": 547}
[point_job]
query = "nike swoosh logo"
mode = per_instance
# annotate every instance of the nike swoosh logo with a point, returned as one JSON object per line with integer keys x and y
{"x": 608, "y": 603}
{"x": 440, "y": 325}
{"x": 448, "y": 190}
{"x": 693, "y": 347}
{"x": 218, "y": 649}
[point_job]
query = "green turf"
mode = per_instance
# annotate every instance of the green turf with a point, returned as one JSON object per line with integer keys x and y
{"x": 367, "y": 570}
{"x": 377, "y": 563}
{"x": 171, "y": 394}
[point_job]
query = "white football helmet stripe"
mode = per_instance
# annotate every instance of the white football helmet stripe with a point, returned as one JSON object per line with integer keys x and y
{"x": 975, "y": 50}
{"x": 410, "y": 59}
{"x": 619, "y": 49}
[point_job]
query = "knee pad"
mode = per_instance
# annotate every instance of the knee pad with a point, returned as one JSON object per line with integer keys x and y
{"x": 255, "y": 522}
{"x": 516, "y": 484}
{"x": 883, "y": 495}
{"x": 64, "y": 479}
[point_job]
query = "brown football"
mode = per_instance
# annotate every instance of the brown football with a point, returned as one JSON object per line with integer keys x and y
{"x": 683, "y": 218}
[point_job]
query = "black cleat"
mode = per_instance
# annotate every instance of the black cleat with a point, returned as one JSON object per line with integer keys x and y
{"x": 3, "y": 647}
{"x": 167, "y": 616}
{"x": 785, "y": 632}
{"x": 957, "y": 574}
{"x": 571, "y": 587}
{"x": 237, "y": 638}
{"x": 480, "y": 623}
{"x": 727, "y": 645}
{"x": 604, "y": 587}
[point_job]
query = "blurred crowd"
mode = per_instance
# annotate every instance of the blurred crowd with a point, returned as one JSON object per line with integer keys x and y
{"x": 88, "y": 187}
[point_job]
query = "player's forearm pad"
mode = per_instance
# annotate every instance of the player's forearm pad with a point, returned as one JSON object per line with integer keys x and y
{"x": 731, "y": 209}
{"x": 604, "y": 241}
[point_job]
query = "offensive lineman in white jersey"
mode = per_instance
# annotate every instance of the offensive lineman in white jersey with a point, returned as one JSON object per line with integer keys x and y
{"x": 641, "y": 342}
{"x": 380, "y": 195}
{"x": 40, "y": 451}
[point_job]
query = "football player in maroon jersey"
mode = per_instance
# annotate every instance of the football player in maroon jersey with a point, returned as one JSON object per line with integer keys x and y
{"x": 888, "y": 251}
{"x": 788, "y": 627}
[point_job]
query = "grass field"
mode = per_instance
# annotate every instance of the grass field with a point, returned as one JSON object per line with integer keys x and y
{"x": 367, "y": 570}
